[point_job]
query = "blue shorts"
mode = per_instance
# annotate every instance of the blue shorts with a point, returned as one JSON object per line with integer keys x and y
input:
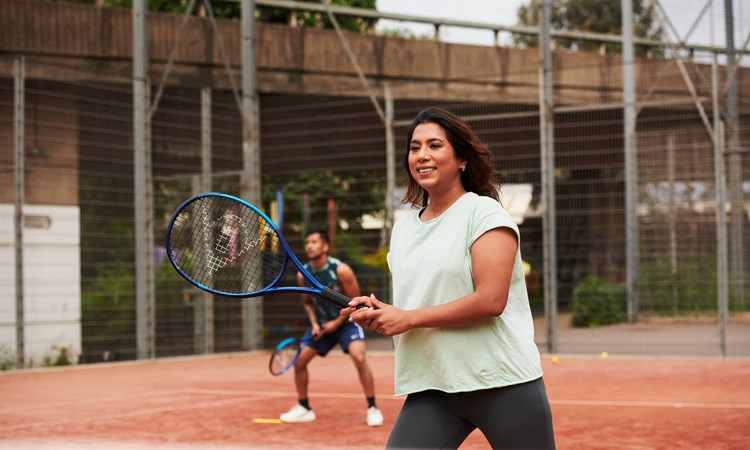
{"x": 345, "y": 335}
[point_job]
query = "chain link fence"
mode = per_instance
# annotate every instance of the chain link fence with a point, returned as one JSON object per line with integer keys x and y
{"x": 324, "y": 166}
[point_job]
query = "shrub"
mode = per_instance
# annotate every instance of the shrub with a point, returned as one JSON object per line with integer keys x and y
{"x": 598, "y": 302}
{"x": 63, "y": 357}
{"x": 7, "y": 358}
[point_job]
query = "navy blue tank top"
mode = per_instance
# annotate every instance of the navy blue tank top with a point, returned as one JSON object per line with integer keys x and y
{"x": 325, "y": 311}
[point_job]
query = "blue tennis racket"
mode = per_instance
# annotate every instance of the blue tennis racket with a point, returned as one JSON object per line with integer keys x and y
{"x": 284, "y": 356}
{"x": 226, "y": 246}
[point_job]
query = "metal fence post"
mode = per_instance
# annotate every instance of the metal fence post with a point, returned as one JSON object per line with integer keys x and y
{"x": 143, "y": 188}
{"x": 546, "y": 134}
{"x": 252, "y": 309}
{"x": 20, "y": 181}
{"x": 631, "y": 185}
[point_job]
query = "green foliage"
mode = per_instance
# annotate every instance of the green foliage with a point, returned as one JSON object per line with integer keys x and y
{"x": 108, "y": 307}
{"x": 7, "y": 358}
{"x": 171, "y": 6}
{"x": 61, "y": 358}
{"x": 108, "y": 310}
{"x": 353, "y": 192}
{"x": 232, "y": 10}
{"x": 349, "y": 247}
{"x": 404, "y": 33}
{"x": 598, "y": 302}
{"x": 107, "y": 299}
{"x": 320, "y": 20}
{"x": 688, "y": 288}
{"x": 596, "y": 16}
{"x": 174, "y": 312}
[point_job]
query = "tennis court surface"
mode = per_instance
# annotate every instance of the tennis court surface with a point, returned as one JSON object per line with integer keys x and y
{"x": 217, "y": 402}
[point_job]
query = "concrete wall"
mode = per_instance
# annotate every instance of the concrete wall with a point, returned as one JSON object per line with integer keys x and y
{"x": 89, "y": 39}
{"x": 52, "y": 282}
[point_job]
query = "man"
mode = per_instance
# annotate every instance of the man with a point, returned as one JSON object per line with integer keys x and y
{"x": 329, "y": 328}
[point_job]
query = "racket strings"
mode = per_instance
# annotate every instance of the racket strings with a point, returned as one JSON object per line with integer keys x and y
{"x": 226, "y": 246}
{"x": 283, "y": 358}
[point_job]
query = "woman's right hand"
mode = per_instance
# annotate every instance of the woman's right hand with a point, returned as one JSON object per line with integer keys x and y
{"x": 366, "y": 303}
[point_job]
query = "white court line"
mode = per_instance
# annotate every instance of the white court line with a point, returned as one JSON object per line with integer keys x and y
{"x": 640, "y": 404}
{"x": 258, "y": 396}
{"x": 262, "y": 395}
{"x": 142, "y": 412}
{"x": 89, "y": 400}
{"x": 282, "y": 393}
{"x": 604, "y": 403}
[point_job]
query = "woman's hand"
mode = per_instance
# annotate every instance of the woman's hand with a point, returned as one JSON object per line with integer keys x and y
{"x": 378, "y": 316}
{"x": 356, "y": 301}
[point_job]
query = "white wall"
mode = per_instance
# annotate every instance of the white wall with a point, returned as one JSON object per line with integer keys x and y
{"x": 52, "y": 282}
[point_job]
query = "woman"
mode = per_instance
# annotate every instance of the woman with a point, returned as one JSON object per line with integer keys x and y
{"x": 462, "y": 327}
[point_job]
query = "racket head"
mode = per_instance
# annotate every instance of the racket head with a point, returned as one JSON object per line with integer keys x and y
{"x": 225, "y": 245}
{"x": 284, "y": 356}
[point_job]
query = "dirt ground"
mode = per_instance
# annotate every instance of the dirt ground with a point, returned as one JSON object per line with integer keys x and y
{"x": 215, "y": 401}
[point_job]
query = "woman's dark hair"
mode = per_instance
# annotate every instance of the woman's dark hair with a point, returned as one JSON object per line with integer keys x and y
{"x": 479, "y": 176}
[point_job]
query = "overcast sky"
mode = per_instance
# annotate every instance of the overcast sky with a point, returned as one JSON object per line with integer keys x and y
{"x": 681, "y": 13}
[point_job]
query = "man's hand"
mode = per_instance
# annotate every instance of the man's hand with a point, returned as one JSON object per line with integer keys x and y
{"x": 330, "y": 327}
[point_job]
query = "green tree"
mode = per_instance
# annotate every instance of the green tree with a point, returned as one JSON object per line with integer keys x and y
{"x": 353, "y": 192}
{"x": 595, "y": 16}
{"x": 170, "y": 6}
{"x": 265, "y": 14}
{"x": 320, "y": 20}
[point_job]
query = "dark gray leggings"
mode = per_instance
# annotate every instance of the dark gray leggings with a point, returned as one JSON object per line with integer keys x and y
{"x": 510, "y": 417}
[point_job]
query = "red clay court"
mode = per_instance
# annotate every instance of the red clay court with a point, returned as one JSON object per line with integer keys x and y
{"x": 214, "y": 402}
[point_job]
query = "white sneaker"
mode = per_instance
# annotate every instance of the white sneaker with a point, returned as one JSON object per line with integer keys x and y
{"x": 298, "y": 414}
{"x": 374, "y": 417}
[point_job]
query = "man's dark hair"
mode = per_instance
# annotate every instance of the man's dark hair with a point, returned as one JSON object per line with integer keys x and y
{"x": 323, "y": 235}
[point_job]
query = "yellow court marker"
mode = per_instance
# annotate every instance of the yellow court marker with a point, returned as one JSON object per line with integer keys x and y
{"x": 261, "y": 420}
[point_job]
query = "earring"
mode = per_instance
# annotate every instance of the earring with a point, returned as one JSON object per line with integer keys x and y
{"x": 463, "y": 168}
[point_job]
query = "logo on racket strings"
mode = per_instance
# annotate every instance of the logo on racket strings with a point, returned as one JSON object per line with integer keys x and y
{"x": 231, "y": 242}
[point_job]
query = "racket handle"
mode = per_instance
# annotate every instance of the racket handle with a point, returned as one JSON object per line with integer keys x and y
{"x": 336, "y": 297}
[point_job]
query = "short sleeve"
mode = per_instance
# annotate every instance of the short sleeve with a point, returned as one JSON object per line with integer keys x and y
{"x": 489, "y": 214}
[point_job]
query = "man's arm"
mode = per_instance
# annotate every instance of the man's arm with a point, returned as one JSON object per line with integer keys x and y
{"x": 348, "y": 281}
{"x": 349, "y": 286}
{"x": 307, "y": 303}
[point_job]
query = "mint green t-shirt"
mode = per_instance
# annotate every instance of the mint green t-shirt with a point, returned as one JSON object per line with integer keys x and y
{"x": 430, "y": 263}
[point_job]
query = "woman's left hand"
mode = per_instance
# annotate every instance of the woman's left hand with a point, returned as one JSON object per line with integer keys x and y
{"x": 378, "y": 316}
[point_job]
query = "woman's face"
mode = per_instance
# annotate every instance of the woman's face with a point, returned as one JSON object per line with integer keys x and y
{"x": 432, "y": 159}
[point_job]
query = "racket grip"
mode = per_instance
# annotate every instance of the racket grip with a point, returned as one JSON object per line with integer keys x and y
{"x": 336, "y": 297}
